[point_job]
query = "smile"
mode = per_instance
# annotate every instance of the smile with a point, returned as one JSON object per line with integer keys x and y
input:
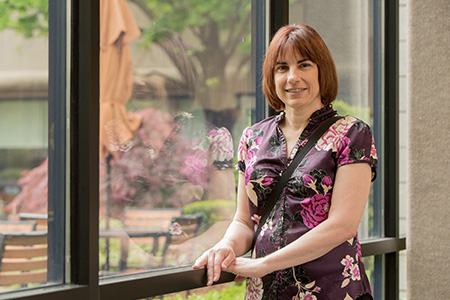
{"x": 294, "y": 90}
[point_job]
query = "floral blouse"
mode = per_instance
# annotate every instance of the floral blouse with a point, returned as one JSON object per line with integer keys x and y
{"x": 304, "y": 204}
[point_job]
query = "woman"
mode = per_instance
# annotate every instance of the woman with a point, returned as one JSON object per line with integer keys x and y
{"x": 308, "y": 247}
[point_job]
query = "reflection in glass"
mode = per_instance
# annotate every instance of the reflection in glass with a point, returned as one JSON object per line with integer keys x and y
{"x": 175, "y": 95}
{"x": 23, "y": 144}
{"x": 347, "y": 29}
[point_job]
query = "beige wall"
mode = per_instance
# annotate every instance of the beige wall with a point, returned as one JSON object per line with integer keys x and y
{"x": 428, "y": 244}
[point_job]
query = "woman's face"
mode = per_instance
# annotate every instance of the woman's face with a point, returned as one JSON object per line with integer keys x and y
{"x": 297, "y": 81}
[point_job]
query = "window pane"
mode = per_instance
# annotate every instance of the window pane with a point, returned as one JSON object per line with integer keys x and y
{"x": 347, "y": 28}
{"x": 24, "y": 122}
{"x": 375, "y": 272}
{"x": 175, "y": 95}
{"x": 228, "y": 291}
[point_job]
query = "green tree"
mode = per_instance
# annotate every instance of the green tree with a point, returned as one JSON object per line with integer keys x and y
{"x": 218, "y": 33}
{"x": 28, "y": 17}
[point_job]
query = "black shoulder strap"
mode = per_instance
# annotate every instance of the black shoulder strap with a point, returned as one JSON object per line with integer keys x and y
{"x": 279, "y": 186}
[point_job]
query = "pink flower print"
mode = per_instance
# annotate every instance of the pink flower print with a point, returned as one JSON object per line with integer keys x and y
{"x": 242, "y": 150}
{"x": 315, "y": 209}
{"x": 221, "y": 145}
{"x": 307, "y": 296}
{"x": 327, "y": 141}
{"x": 327, "y": 181}
{"x": 327, "y": 184}
{"x": 254, "y": 289}
{"x": 251, "y": 158}
{"x": 257, "y": 141}
{"x": 175, "y": 229}
{"x": 266, "y": 181}
{"x": 309, "y": 181}
{"x": 255, "y": 218}
{"x": 354, "y": 271}
{"x": 248, "y": 133}
{"x": 195, "y": 169}
{"x": 248, "y": 173}
{"x": 344, "y": 151}
{"x": 373, "y": 151}
{"x": 347, "y": 262}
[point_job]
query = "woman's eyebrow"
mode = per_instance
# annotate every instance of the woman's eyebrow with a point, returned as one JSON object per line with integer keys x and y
{"x": 302, "y": 60}
{"x": 298, "y": 62}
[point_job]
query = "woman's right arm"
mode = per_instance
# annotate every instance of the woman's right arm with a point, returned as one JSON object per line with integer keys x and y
{"x": 236, "y": 242}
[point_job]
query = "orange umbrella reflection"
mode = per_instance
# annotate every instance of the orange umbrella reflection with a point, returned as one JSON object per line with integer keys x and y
{"x": 117, "y": 29}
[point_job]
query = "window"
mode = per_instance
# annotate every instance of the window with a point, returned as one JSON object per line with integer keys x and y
{"x": 175, "y": 95}
{"x": 180, "y": 75}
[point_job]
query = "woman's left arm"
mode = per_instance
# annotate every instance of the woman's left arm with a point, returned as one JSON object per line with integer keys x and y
{"x": 349, "y": 198}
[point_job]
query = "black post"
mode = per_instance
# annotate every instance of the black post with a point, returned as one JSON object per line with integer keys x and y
{"x": 57, "y": 103}
{"x": 391, "y": 145}
{"x": 84, "y": 138}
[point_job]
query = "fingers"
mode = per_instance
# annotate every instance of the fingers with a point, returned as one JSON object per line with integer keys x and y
{"x": 229, "y": 259}
{"x": 239, "y": 279}
{"x": 200, "y": 262}
{"x": 211, "y": 273}
{"x": 215, "y": 261}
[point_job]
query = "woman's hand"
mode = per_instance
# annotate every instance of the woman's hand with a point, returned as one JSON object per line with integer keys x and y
{"x": 247, "y": 267}
{"x": 215, "y": 259}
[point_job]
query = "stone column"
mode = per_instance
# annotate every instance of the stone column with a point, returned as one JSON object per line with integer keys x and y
{"x": 428, "y": 241}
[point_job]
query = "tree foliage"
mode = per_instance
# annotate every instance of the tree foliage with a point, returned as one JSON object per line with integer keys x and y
{"x": 28, "y": 17}
{"x": 218, "y": 33}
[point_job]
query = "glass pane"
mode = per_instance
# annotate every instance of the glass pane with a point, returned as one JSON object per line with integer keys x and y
{"x": 403, "y": 116}
{"x": 348, "y": 30}
{"x": 175, "y": 95}
{"x": 403, "y": 284}
{"x": 375, "y": 273}
{"x": 228, "y": 291}
{"x": 23, "y": 144}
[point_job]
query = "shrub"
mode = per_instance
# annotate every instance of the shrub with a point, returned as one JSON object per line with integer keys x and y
{"x": 359, "y": 112}
{"x": 212, "y": 210}
{"x": 235, "y": 291}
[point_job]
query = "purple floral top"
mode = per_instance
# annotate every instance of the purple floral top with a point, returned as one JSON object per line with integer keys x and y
{"x": 304, "y": 204}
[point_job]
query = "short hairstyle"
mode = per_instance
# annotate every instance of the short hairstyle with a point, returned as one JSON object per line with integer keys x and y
{"x": 310, "y": 45}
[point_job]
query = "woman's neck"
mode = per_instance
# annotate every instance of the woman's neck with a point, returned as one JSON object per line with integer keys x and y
{"x": 297, "y": 120}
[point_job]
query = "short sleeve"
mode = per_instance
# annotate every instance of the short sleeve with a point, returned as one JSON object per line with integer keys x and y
{"x": 221, "y": 151}
{"x": 357, "y": 146}
{"x": 242, "y": 150}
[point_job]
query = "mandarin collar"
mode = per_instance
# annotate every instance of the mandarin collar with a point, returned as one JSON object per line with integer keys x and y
{"x": 316, "y": 117}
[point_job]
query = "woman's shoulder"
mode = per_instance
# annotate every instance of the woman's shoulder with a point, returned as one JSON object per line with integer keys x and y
{"x": 269, "y": 122}
{"x": 351, "y": 123}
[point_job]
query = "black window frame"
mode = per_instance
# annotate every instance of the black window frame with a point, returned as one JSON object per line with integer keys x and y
{"x": 84, "y": 282}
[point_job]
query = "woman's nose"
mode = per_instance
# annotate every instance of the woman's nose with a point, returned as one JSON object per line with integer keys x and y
{"x": 293, "y": 76}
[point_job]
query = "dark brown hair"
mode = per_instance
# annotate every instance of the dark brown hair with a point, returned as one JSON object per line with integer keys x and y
{"x": 310, "y": 45}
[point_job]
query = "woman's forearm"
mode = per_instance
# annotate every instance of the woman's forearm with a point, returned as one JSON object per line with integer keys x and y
{"x": 239, "y": 237}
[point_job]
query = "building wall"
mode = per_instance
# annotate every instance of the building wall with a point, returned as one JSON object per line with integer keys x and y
{"x": 428, "y": 241}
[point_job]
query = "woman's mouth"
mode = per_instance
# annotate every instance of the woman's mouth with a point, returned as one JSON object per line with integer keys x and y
{"x": 296, "y": 90}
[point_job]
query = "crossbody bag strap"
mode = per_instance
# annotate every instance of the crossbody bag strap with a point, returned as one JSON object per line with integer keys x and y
{"x": 279, "y": 186}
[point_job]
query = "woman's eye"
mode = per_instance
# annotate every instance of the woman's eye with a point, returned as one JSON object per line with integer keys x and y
{"x": 281, "y": 68}
{"x": 304, "y": 65}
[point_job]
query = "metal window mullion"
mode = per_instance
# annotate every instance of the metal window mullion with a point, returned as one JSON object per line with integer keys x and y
{"x": 278, "y": 17}
{"x": 57, "y": 140}
{"x": 84, "y": 188}
{"x": 259, "y": 40}
{"x": 391, "y": 162}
